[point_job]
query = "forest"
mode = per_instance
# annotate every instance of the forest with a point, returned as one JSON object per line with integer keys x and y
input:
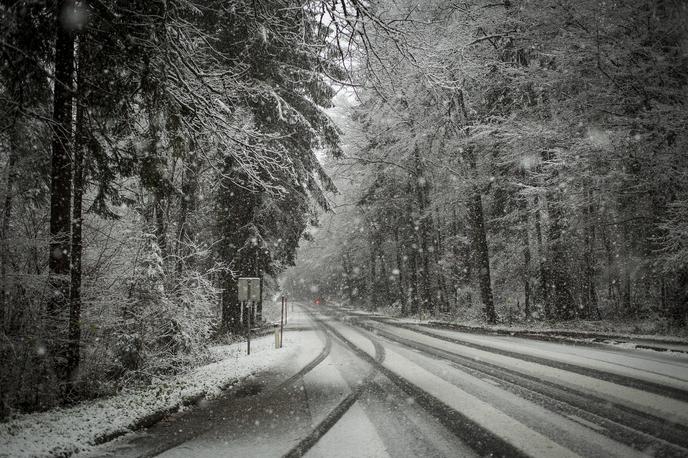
{"x": 526, "y": 162}
{"x": 151, "y": 152}
{"x": 491, "y": 160}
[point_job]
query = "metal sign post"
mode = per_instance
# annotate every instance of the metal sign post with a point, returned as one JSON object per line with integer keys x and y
{"x": 249, "y": 292}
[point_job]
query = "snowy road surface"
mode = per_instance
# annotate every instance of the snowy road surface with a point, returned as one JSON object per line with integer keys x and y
{"x": 370, "y": 388}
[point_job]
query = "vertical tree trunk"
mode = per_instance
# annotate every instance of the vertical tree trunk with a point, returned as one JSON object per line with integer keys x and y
{"x": 259, "y": 305}
{"x": 160, "y": 224}
{"x": 413, "y": 262}
{"x": 678, "y": 303}
{"x": 590, "y": 261}
{"x": 73, "y": 352}
{"x": 349, "y": 277}
{"x": 384, "y": 277}
{"x": 626, "y": 271}
{"x": 402, "y": 276}
{"x": 61, "y": 188}
{"x": 526, "y": 259}
{"x": 558, "y": 260}
{"x": 482, "y": 256}
{"x": 439, "y": 250}
{"x": 423, "y": 232}
{"x": 5, "y": 228}
{"x": 373, "y": 293}
{"x": 187, "y": 207}
{"x": 461, "y": 268}
{"x": 542, "y": 256}
{"x": 231, "y": 308}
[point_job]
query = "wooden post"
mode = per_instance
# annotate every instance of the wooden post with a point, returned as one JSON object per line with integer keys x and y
{"x": 282, "y": 320}
{"x": 248, "y": 327}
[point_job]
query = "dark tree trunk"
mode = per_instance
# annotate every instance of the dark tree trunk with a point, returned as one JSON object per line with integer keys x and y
{"x": 349, "y": 283}
{"x": 373, "y": 293}
{"x": 526, "y": 259}
{"x": 73, "y": 352}
{"x": 558, "y": 261}
{"x": 187, "y": 208}
{"x": 678, "y": 299}
{"x": 61, "y": 189}
{"x": 590, "y": 261}
{"x": 402, "y": 275}
{"x": 235, "y": 211}
{"x": 461, "y": 268}
{"x": 439, "y": 250}
{"x": 482, "y": 256}
{"x": 384, "y": 278}
{"x": 626, "y": 301}
{"x": 259, "y": 305}
{"x": 160, "y": 224}
{"x": 542, "y": 264}
{"x": 5, "y": 228}
{"x": 423, "y": 233}
{"x": 413, "y": 261}
{"x": 231, "y": 308}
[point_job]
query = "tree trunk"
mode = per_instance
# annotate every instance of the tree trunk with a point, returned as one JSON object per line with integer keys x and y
{"x": 526, "y": 259}
{"x": 231, "y": 308}
{"x": 5, "y": 228}
{"x": 160, "y": 224}
{"x": 349, "y": 273}
{"x": 542, "y": 256}
{"x": 372, "y": 294}
{"x": 423, "y": 232}
{"x": 482, "y": 256}
{"x": 187, "y": 208}
{"x": 590, "y": 261}
{"x": 439, "y": 250}
{"x": 558, "y": 265}
{"x": 73, "y": 352}
{"x": 626, "y": 301}
{"x": 259, "y": 305}
{"x": 61, "y": 189}
{"x": 400, "y": 267}
{"x": 414, "y": 306}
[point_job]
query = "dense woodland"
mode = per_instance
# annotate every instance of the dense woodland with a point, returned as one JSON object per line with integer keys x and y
{"x": 525, "y": 155}
{"x": 151, "y": 153}
{"x": 527, "y": 161}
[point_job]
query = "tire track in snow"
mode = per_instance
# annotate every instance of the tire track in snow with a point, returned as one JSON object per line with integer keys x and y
{"x": 324, "y": 353}
{"x": 338, "y": 412}
{"x": 662, "y": 390}
{"x": 621, "y": 423}
{"x": 480, "y": 439}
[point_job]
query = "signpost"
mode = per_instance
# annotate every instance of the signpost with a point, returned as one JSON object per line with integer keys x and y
{"x": 249, "y": 293}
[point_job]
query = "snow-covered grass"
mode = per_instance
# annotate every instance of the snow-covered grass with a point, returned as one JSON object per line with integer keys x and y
{"x": 64, "y": 431}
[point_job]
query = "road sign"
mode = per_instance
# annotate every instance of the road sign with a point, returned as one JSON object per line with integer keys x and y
{"x": 249, "y": 289}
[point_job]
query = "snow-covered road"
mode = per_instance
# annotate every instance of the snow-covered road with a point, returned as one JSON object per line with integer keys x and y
{"x": 358, "y": 386}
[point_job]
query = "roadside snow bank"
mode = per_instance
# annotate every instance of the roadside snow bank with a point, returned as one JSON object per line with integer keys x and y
{"x": 62, "y": 432}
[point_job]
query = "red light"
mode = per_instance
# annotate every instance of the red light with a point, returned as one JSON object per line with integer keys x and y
{"x": 317, "y": 302}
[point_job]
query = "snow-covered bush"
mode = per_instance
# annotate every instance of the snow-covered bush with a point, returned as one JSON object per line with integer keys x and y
{"x": 166, "y": 322}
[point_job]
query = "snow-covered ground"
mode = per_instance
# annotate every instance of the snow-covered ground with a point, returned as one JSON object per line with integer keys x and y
{"x": 79, "y": 428}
